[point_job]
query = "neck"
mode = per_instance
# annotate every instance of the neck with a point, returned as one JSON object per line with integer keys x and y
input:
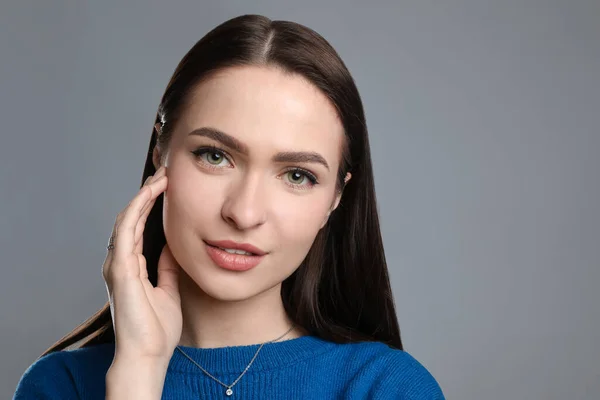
{"x": 213, "y": 323}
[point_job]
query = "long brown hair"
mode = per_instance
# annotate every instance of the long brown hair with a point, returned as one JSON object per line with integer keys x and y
{"x": 341, "y": 291}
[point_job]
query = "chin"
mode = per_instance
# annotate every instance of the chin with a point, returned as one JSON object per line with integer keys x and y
{"x": 223, "y": 285}
{"x": 224, "y": 291}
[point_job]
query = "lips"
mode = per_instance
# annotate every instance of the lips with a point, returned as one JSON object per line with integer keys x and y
{"x": 228, "y": 244}
{"x": 234, "y": 262}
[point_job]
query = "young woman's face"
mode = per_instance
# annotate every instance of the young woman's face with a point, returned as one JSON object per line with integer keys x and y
{"x": 253, "y": 160}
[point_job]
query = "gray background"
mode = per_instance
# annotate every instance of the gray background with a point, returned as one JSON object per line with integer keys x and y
{"x": 483, "y": 119}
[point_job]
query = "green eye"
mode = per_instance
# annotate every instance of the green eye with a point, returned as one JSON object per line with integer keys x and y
{"x": 296, "y": 177}
{"x": 214, "y": 158}
{"x": 211, "y": 156}
{"x": 300, "y": 177}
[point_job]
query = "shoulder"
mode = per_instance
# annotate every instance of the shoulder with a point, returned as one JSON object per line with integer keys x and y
{"x": 391, "y": 373}
{"x": 65, "y": 374}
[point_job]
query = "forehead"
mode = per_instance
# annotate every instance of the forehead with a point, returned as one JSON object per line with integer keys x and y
{"x": 266, "y": 107}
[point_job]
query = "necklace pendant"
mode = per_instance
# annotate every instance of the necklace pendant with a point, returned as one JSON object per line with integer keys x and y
{"x": 229, "y": 392}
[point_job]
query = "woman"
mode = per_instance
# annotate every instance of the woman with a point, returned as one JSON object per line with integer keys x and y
{"x": 250, "y": 264}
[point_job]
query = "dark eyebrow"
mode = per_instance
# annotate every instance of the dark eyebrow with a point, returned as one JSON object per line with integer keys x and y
{"x": 236, "y": 145}
{"x": 222, "y": 137}
{"x": 301, "y": 157}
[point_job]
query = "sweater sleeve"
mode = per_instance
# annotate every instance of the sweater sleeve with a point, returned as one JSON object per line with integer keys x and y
{"x": 48, "y": 378}
{"x": 405, "y": 378}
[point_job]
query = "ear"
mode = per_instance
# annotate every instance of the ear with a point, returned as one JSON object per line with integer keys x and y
{"x": 336, "y": 201}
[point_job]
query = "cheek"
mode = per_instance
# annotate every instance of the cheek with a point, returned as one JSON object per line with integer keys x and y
{"x": 300, "y": 219}
{"x": 191, "y": 199}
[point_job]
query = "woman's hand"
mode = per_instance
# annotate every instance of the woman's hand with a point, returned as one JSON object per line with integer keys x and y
{"x": 147, "y": 320}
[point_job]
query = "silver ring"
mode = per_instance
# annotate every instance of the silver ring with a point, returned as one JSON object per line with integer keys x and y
{"x": 111, "y": 243}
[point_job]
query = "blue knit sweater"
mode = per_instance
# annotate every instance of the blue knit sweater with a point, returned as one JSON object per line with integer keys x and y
{"x": 302, "y": 368}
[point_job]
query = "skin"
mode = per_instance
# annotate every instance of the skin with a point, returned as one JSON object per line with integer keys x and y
{"x": 247, "y": 198}
{"x": 241, "y": 196}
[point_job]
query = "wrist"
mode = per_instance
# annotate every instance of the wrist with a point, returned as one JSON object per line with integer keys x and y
{"x": 149, "y": 364}
{"x": 135, "y": 378}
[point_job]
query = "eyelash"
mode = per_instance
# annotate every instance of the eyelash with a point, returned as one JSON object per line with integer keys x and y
{"x": 214, "y": 149}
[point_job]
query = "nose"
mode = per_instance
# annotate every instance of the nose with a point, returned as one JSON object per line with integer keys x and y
{"x": 244, "y": 207}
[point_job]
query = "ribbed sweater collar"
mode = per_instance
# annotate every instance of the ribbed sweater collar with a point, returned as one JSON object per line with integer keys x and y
{"x": 234, "y": 359}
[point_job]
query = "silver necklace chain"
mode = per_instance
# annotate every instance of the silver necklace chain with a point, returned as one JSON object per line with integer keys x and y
{"x": 229, "y": 390}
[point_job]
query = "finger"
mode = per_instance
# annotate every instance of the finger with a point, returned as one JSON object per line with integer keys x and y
{"x": 157, "y": 186}
{"x": 124, "y": 242}
{"x": 109, "y": 249}
{"x": 149, "y": 180}
{"x": 141, "y": 225}
{"x": 168, "y": 273}
{"x": 106, "y": 266}
{"x": 159, "y": 172}
{"x": 109, "y": 255}
{"x": 143, "y": 268}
